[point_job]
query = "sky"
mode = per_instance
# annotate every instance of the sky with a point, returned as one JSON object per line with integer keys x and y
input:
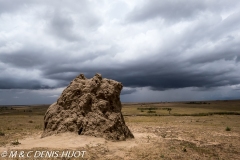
{"x": 171, "y": 50}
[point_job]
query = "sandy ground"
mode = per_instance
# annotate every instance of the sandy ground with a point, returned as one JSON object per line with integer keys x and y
{"x": 71, "y": 141}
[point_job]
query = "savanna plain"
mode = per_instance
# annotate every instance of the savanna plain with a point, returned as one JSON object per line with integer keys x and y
{"x": 162, "y": 130}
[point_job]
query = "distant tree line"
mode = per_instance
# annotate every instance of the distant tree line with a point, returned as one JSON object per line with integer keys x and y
{"x": 150, "y": 109}
{"x": 197, "y": 103}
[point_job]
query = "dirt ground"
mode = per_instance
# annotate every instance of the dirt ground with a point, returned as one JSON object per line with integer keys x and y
{"x": 166, "y": 137}
{"x": 195, "y": 130}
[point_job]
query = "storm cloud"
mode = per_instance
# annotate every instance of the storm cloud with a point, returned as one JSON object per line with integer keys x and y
{"x": 155, "y": 48}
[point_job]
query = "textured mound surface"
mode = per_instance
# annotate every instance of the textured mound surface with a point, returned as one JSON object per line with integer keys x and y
{"x": 88, "y": 107}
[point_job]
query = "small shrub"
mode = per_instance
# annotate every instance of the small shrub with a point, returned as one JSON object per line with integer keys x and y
{"x": 2, "y": 134}
{"x": 184, "y": 149}
{"x": 164, "y": 135}
{"x": 228, "y": 129}
{"x": 38, "y": 127}
{"x": 151, "y": 111}
{"x": 30, "y": 121}
{"x": 15, "y": 142}
{"x": 149, "y": 108}
{"x": 148, "y": 137}
{"x": 169, "y": 110}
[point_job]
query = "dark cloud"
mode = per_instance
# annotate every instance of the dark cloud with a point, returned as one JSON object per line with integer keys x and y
{"x": 156, "y": 77}
{"x": 23, "y": 58}
{"x": 25, "y": 97}
{"x": 238, "y": 58}
{"x": 128, "y": 91}
{"x": 178, "y": 79}
{"x": 16, "y": 83}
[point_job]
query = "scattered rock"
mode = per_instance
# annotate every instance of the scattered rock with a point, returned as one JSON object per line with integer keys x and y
{"x": 88, "y": 107}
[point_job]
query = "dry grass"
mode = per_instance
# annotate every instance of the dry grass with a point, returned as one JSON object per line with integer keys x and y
{"x": 162, "y": 137}
{"x": 183, "y": 108}
{"x": 18, "y": 126}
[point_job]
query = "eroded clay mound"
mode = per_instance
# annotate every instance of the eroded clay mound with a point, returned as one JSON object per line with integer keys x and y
{"x": 88, "y": 107}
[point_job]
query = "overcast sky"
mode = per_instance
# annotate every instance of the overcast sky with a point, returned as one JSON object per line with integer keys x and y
{"x": 170, "y": 50}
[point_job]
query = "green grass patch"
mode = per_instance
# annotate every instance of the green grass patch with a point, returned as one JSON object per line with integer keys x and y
{"x": 2, "y": 133}
{"x": 228, "y": 129}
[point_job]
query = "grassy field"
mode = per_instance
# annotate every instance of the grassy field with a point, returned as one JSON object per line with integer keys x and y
{"x": 189, "y": 130}
{"x": 182, "y": 108}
